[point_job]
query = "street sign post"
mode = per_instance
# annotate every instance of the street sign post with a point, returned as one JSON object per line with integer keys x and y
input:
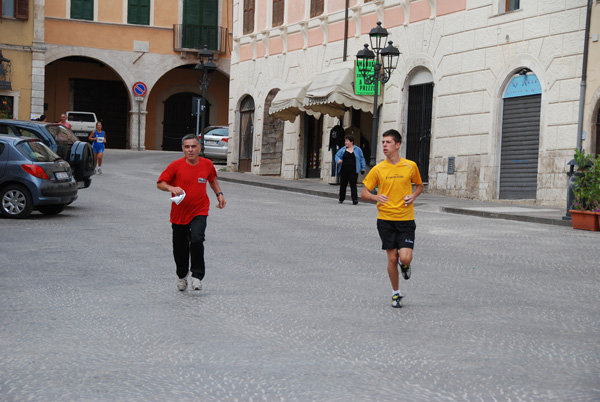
{"x": 139, "y": 90}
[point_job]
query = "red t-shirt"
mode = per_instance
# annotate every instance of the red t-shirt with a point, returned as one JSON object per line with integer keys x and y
{"x": 193, "y": 180}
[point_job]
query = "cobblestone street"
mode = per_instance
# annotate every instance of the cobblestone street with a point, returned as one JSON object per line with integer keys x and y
{"x": 295, "y": 306}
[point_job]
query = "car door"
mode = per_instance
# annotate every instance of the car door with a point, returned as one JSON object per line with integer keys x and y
{"x": 24, "y": 132}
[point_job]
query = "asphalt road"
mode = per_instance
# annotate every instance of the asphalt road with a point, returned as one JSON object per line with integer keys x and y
{"x": 295, "y": 306}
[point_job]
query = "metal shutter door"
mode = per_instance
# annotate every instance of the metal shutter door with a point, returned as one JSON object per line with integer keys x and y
{"x": 520, "y": 147}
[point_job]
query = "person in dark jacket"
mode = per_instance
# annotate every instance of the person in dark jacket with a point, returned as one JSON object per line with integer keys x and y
{"x": 350, "y": 161}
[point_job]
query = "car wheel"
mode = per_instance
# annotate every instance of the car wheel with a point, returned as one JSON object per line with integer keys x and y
{"x": 52, "y": 209}
{"x": 15, "y": 202}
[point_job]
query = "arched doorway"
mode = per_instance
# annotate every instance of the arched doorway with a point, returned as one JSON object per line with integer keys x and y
{"x": 418, "y": 125}
{"x": 86, "y": 84}
{"x": 178, "y": 119}
{"x": 272, "y": 140}
{"x": 520, "y": 143}
{"x": 246, "y": 133}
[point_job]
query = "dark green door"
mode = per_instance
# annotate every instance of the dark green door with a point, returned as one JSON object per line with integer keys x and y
{"x": 200, "y": 25}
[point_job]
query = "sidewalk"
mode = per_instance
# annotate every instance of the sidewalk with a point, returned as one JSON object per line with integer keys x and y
{"x": 431, "y": 202}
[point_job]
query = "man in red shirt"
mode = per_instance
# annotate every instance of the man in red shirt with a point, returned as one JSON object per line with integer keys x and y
{"x": 189, "y": 176}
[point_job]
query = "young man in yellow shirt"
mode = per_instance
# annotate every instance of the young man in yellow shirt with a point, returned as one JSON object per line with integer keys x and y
{"x": 395, "y": 202}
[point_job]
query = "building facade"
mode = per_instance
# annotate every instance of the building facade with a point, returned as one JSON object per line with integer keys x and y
{"x": 590, "y": 124}
{"x": 486, "y": 92}
{"x": 92, "y": 53}
{"x": 21, "y": 65}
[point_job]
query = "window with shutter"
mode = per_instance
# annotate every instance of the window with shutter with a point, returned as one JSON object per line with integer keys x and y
{"x": 82, "y": 9}
{"x": 278, "y": 6}
{"x": 200, "y": 24}
{"x": 138, "y": 12}
{"x": 316, "y": 7}
{"x": 22, "y": 9}
{"x": 248, "y": 16}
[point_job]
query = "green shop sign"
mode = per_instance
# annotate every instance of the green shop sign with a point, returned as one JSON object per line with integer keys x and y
{"x": 361, "y": 87}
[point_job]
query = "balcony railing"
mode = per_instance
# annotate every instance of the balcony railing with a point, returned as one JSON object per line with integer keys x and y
{"x": 187, "y": 37}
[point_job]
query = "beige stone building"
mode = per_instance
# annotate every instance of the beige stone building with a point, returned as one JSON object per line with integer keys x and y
{"x": 591, "y": 118}
{"x": 486, "y": 92}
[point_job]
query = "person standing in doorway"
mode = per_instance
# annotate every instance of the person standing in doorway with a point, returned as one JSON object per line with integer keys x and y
{"x": 395, "y": 204}
{"x": 186, "y": 179}
{"x": 63, "y": 121}
{"x": 350, "y": 161}
{"x": 98, "y": 138}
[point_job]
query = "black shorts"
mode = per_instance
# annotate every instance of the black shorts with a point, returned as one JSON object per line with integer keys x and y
{"x": 396, "y": 234}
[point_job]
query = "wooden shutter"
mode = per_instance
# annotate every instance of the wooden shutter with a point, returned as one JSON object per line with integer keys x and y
{"x": 200, "y": 24}
{"x": 22, "y": 9}
{"x": 278, "y": 7}
{"x": 82, "y": 9}
{"x": 138, "y": 12}
{"x": 248, "y": 16}
{"x": 316, "y": 7}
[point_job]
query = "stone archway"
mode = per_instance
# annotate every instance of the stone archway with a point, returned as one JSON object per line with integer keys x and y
{"x": 272, "y": 140}
{"x": 82, "y": 83}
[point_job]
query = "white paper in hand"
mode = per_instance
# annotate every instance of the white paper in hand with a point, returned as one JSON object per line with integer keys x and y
{"x": 178, "y": 198}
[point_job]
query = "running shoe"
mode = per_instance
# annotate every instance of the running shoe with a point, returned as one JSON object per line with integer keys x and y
{"x": 397, "y": 300}
{"x": 405, "y": 271}
{"x": 196, "y": 284}
{"x": 182, "y": 284}
{"x": 99, "y": 170}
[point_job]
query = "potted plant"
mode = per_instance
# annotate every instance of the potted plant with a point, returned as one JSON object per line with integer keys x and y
{"x": 585, "y": 210}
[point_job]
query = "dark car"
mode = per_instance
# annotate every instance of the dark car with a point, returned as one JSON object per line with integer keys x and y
{"x": 216, "y": 141}
{"x": 59, "y": 139}
{"x": 33, "y": 177}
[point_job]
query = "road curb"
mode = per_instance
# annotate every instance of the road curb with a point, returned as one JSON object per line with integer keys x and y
{"x": 495, "y": 215}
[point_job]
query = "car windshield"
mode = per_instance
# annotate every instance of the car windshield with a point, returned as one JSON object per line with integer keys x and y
{"x": 221, "y": 132}
{"x": 35, "y": 151}
{"x": 61, "y": 134}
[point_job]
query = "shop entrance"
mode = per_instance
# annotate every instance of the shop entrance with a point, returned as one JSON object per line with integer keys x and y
{"x": 520, "y": 142}
{"x": 418, "y": 128}
{"x": 313, "y": 140}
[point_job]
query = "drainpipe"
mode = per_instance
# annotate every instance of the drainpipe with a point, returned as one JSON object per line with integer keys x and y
{"x": 584, "y": 76}
{"x": 346, "y": 29}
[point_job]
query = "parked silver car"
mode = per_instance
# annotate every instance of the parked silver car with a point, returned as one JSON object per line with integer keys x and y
{"x": 216, "y": 141}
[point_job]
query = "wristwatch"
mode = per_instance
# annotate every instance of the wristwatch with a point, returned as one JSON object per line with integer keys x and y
{"x": 219, "y": 193}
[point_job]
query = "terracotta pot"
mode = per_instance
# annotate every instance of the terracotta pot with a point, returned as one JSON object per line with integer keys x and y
{"x": 585, "y": 220}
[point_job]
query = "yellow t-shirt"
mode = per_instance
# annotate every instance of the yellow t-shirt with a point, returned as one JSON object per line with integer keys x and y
{"x": 394, "y": 181}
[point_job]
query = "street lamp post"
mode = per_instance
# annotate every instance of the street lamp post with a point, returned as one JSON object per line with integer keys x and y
{"x": 207, "y": 66}
{"x": 385, "y": 62}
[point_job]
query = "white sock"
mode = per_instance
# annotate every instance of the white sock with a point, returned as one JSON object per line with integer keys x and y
{"x": 397, "y": 292}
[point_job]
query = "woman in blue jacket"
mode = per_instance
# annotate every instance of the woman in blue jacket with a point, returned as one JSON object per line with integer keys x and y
{"x": 350, "y": 161}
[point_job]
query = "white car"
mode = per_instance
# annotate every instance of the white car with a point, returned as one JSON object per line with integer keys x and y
{"x": 82, "y": 123}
